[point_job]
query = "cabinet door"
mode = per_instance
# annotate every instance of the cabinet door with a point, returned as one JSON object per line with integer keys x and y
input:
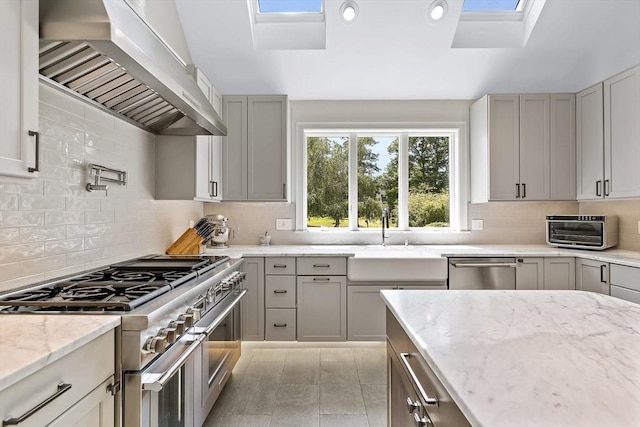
{"x": 202, "y": 178}
{"x": 504, "y": 154}
{"x": 322, "y": 308}
{"x": 622, "y": 134}
{"x": 366, "y": 313}
{"x": 529, "y": 273}
{"x": 234, "y": 148}
{"x": 94, "y": 410}
{"x": 589, "y": 142}
{"x": 401, "y": 394}
{"x": 592, "y": 276}
{"x": 267, "y": 149}
{"x": 559, "y": 273}
{"x": 18, "y": 87}
{"x": 215, "y": 167}
{"x": 534, "y": 147}
{"x": 252, "y": 305}
{"x": 562, "y": 137}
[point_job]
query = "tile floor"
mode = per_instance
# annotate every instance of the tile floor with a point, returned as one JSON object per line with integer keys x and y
{"x": 305, "y": 385}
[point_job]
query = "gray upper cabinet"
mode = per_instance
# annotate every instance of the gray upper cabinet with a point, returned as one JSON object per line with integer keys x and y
{"x": 189, "y": 167}
{"x": 19, "y": 88}
{"x": 255, "y": 151}
{"x": 523, "y": 147}
{"x": 608, "y": 138}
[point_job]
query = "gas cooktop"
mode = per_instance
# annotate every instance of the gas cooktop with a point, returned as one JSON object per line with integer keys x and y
{"x": 119, "y": 287}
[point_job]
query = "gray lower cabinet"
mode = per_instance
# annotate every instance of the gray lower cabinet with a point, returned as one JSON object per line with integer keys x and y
{"x": 529, "y": 274}
{"x": 549, "y": 273}
{"x": 365, "y": 313}
{"x": 559, "y": 273}
{"x": 280, "y": 324}
{"x": 592, "y": 276}
{"x": 252, "y": 305}
{"x": 322, "y": 308}
{"x": 625, "y": 282}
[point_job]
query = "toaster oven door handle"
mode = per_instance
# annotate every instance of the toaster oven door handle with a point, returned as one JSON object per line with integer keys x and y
{"x": 155, "y": 381}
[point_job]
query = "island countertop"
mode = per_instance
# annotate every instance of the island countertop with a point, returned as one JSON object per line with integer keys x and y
{"x": 529, "y": 358}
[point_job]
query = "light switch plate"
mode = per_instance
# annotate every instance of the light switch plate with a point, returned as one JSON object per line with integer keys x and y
{"x": 283, "y": 224}
{"x": 477, "y": 224}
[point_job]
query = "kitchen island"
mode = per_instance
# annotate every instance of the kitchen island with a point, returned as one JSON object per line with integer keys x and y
{"x": 528, "y": 358}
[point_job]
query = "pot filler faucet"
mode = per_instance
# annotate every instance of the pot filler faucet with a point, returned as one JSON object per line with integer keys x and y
{"x": 385, "y": 223}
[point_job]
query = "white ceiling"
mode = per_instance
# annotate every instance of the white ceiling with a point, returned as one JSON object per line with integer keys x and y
{"x": 393, "y": 52}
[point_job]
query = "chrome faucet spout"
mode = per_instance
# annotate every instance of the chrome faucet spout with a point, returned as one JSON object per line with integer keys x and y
{"x": 385, "y": 223}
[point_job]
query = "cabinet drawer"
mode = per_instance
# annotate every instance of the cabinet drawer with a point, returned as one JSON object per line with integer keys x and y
{"x": 322, "y": 266}
{"x": 280, "y": 291}
{"x": 625, "y": 277}
{"x": 280, "y": 324}
{"x": 280, "y": 265}
{"x": 98, "y": 363}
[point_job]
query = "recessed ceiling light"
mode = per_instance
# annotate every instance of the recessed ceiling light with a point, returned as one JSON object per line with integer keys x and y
{"x": 349, "y": 11}
{"x": 437, "y": 11}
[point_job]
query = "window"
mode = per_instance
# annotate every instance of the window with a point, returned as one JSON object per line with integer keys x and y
{"x": 490, "y": 5}
{"x": 352, "y": 176}
{"x": 290, "y": 6}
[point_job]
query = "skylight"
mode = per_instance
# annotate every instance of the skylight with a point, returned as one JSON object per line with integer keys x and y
{"x": 489, "y": 5}
{"x": 290, "y": 6}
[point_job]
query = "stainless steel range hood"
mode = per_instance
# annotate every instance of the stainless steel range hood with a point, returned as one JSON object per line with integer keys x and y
{"x": 103, "y": 51}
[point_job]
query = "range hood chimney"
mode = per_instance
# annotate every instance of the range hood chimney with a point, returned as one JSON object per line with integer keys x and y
{"x": 102, "y": 51}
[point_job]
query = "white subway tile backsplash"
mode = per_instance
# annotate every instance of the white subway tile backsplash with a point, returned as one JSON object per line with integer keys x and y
{"x": 21, "y": 218}
{"x": 8, "y": 202}
{"x": 35, "y": 203}
{"x": 40, "y": 234}
{"x": 51, "y": 226}
{"x": 83, "y": 204}
{"x": 63, "y": 217}
{"x": 9, "y": 236}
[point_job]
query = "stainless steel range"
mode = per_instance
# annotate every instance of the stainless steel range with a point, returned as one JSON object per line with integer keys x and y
{"x": 179, "y": 336}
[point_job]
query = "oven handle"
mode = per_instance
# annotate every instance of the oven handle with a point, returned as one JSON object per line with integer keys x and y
{"x": 156, "y": 381}
{"x": 208, "y": 329}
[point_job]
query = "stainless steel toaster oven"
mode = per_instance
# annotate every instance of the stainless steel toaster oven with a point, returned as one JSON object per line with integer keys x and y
{"x": 582, "y": 231}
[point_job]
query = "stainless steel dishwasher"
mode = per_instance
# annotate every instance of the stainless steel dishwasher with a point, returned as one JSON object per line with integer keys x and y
{"x": 482, "y": 273}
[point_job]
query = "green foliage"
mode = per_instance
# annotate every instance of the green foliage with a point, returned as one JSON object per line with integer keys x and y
{"x": 327, "y": 178}
{"x": 428, "y": 210}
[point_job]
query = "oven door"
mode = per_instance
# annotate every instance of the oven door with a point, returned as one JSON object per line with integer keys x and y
{"x": 218, "y": 353}
{"x": 162, "y": 394}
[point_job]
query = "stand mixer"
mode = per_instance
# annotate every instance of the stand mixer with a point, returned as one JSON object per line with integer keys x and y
{"x": 220, "y": 235}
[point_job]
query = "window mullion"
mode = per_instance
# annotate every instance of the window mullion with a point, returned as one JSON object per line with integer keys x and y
{"x": 353, "y": 181}
{"x": 403, "y": 182}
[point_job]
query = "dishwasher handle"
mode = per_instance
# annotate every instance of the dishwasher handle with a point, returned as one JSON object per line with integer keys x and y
{"x": 482, "y": 264}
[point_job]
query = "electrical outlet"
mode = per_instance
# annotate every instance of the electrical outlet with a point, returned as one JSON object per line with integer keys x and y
{"x": 283, "y": 224}
{"x": 477, "y": 224}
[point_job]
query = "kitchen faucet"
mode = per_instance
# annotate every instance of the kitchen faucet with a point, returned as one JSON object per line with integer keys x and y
{"x": 385, "y": 219}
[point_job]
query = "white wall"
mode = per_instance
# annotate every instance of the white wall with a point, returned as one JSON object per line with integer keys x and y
{"x": 51, "y": 226}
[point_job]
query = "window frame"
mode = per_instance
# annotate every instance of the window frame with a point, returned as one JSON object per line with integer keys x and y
{"x": 458, "y": 173}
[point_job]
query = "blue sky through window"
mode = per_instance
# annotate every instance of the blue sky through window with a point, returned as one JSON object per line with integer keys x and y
{"x": 283, "y": 6}
{"x": 489, "y": 5}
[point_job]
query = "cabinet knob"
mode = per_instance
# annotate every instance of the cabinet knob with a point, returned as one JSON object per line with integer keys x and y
{"x": 421, "y": 421}
{"x": 412, "y": 406}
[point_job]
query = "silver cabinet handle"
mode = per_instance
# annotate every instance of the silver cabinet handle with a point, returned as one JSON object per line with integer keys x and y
{"x": 279, "y": 291}
{"x": 421, "y": 422}
{"x": 432, "y": 401}
{"x": 37, "y": 135}
{"x": 483, "y": 264}
{"x": 321, "y": 279}
{"x": 412, "y": 406}
{"x": 279, "y": 325}
{"x": 598, "y": 189}
{"x": 62, "y": 388}
{"x": 517, "y": 191}
{"x": 321, "y": 266}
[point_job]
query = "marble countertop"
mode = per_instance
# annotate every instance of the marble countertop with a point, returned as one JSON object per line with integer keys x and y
{"x": 30, "y": 342}
{"x": 529, "y": 358}
{"x": 618, "y": 256}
